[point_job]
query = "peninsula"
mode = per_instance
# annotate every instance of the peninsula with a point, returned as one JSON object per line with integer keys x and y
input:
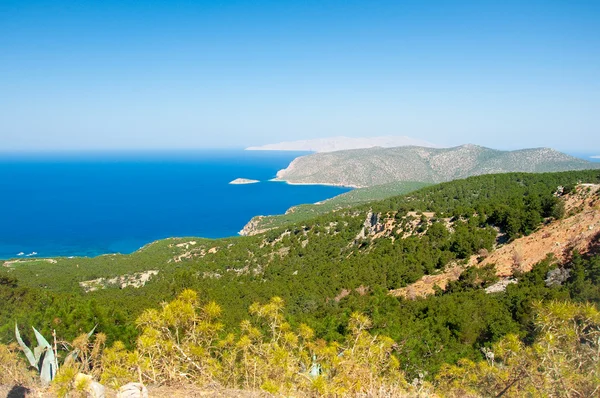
{"x": 242, "y": 181}
{"x": 374, "y": 166}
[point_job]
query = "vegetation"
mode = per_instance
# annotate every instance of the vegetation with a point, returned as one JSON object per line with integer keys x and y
{"x": 333, "y": 273}
{"x": 42, "y": 358}
{"x": 375, "y": 166}
{"x": 183, "y": 343}
{"x": 355, "y": 197}
{"x": 562, "y": 361}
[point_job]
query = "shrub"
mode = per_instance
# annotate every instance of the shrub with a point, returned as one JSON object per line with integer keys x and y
{"x": 563, "y": 360}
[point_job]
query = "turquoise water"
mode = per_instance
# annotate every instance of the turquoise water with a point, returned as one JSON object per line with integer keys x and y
{"x": 95, "y": 203}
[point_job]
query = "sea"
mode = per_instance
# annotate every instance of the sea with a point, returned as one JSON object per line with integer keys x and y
{"x": 93, "y": 203}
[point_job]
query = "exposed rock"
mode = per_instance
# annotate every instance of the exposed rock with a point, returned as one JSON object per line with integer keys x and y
{"x": 371, "y": 226}
{"x": 253, "y": 227}
{"x": 133, "y": 390}
{"x": 92, "y": 388}
{"x": 186, "y": 244}
{"x": 557, "y": 277}
{"x": 583, "y": 211}
{"x": 500, "y": 286}
{"x": 136, "y": 280}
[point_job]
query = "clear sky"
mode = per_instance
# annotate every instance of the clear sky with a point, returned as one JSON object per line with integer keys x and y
{"x": 204, "y": 74}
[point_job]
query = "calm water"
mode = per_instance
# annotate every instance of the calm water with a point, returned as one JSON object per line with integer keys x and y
{"x": 589, "y": 156}
{"x": 90, "y": 204}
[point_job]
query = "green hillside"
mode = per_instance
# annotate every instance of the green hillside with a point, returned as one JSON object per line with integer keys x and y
{"x": 307, "y": 211}
{"x": 327, "y": 268}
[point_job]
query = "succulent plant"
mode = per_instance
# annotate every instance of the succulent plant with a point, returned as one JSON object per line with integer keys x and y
{"x": 43, "y": 357}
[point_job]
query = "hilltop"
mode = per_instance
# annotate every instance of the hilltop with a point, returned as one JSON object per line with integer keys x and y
{"x": 375, "y": 166}
{"x": 331, "y": 144}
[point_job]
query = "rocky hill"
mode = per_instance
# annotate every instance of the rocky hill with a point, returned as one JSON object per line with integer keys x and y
{"x": 579, "y": 230}
{"x": 374, "y": 166}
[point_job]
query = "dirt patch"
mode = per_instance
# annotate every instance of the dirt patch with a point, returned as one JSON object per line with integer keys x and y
{"x": 425, "y": 285}
{"x": 12, "y": 263}
{"x": 577, "y": 232}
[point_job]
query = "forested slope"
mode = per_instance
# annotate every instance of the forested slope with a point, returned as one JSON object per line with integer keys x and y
{"x": 328, "y": 267}
{"x": 304, "y": 212}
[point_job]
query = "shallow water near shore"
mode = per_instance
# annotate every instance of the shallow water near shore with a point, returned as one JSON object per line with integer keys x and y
{"x": 87, "y": 204}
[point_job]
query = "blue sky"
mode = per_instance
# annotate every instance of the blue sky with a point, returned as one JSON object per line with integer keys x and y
{"x": 205, "y": 74}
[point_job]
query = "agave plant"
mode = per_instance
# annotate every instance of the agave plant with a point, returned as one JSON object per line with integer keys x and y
{"x": 43, "y": 357}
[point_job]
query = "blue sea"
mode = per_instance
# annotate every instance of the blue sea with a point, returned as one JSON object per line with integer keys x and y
{"x": 87, "y": 204}
{"x": 589, "y": 156}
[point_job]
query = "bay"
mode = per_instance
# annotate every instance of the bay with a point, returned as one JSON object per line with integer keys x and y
{"x": 87, "y": 204}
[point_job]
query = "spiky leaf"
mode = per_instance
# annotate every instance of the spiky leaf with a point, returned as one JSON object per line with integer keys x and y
{"x": 30, "y": 357}
{"x": 49, "y": 365}
{"x": 72, "y": 356}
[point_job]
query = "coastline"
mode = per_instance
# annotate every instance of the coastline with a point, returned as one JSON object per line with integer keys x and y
{"x": 276, "y": 179}
{"x": 199, "y": 187}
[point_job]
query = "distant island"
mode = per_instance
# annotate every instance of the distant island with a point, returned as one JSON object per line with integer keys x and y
{"x": 374, "y": 166}
{"x": 341, "y": 143}
{"x": 241, "y": 181}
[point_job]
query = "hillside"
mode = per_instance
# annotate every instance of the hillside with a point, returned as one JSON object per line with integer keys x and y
{"x": 375, "y": 166}
{"x": 325, "y": 271}
{"x": 260, "y": 224}
{"x": 579, "y": 230}
{"x": 331, "y": 144}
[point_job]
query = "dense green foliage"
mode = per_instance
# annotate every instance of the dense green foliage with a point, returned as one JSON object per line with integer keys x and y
{"x": 310, "y": 264}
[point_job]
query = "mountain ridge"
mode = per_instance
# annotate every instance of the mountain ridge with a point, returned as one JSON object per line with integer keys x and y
{"x": 375, "y": 166}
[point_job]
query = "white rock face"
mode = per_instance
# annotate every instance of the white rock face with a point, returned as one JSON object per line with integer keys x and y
{"x": 332, "y": 144}
{"x": 500, "y": 286}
